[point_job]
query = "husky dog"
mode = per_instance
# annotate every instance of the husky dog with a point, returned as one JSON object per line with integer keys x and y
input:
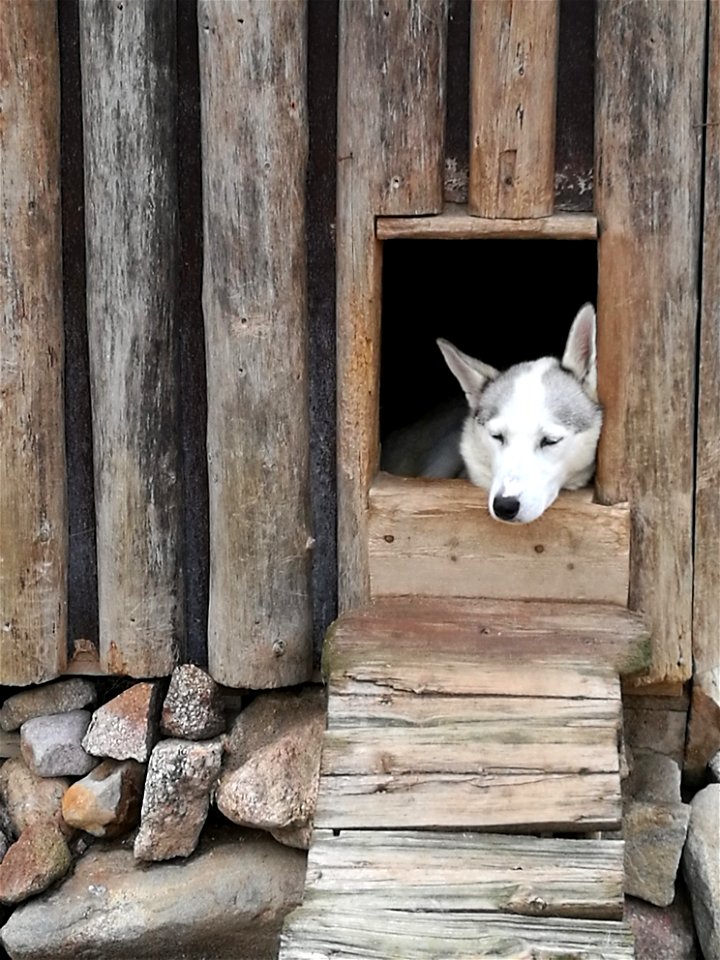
{"x": 530, "y": 431}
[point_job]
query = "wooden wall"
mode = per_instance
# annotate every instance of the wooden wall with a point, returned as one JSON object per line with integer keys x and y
{"x": 255, "y": 308}
{"x": 198, "y": 284}
{"x": 391, "y": 117}
{"x": 33, "y": 512}
{"x": 148, "y": 363}
{"x": 648, "y": 126}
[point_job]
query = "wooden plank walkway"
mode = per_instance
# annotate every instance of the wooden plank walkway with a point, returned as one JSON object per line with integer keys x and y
{"x": 451, "y": 722}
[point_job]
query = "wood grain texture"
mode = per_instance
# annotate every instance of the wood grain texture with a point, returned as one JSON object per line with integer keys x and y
{"x": 254, "y": 301}
{"x": 513, "y": 76}
{"x": 129, "y": 99}
{"x": 456, "y": 223}
{"x": 437, "y": 538}
{"x": 391, "y": 116}
{"x": 33, "y": 532}
{"x": 404, "y": 635}
{"x": 648, "y": 122}
{"x": 467, "y": 871}
{"x": 704, "y": 724}
{"x": 535, "y": 801}
{"x": 315, "y": 933}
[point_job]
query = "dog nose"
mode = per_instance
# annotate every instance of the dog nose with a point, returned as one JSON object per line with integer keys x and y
{"x": 506, "y": 508}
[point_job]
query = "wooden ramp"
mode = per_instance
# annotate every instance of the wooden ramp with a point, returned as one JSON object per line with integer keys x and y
{"x": 461, "y": 736}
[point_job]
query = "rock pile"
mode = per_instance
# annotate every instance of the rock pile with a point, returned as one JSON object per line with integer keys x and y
{"x": 145, "y": 769}
{"x": 662, "y": 832}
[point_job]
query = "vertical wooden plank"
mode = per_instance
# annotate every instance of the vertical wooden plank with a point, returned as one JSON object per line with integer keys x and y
{"x": 648, "y": 122}
{"x": 704, "y": 726}
{"x": 391, "y": 116}
{"x": 33, "y": 511}
{"x": 254, "y": 148}
{"x": 129, "y": 103}
{"x": 513, "y": 72}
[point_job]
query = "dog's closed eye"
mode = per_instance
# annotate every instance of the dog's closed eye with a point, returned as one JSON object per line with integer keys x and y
{"x": 500, "y": 437}
{"x": 550, "y": 441}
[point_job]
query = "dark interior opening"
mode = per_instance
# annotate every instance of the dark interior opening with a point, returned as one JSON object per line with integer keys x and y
{"x": 502, "y": 301}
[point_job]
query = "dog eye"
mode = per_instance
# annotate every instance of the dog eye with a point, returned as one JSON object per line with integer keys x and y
{"x": 549, "y": 441}
{"x": 500, "y": 437}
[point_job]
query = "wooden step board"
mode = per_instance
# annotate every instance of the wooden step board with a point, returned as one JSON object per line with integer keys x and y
{"x": 330, "y": 930}
{"x": 461, "y": 871}
{"x": 466, "y": 720}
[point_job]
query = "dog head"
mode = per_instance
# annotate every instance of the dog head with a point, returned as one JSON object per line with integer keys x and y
{"x": 533, "y": 429}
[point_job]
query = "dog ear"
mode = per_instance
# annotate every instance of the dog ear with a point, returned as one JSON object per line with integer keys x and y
{"x": 471, "y": 373}
{"x": 580, "y": 355}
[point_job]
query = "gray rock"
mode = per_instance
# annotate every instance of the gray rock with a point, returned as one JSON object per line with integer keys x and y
{"x": 28, "y": 797}
{"x": 227, "y": 902}
{"x": 106, "y": 803}
{"x": 126, "y": 728}
{"x": 654, "y": 778}
{"x": 193, "y": 708}
{"x": 268, "y": 717}
{"x": 52, "y": 746}
{"x": 35, "y": 861}
{"x": 654, "y": 839}
{"x": 58, "y": 697}
{"x": 662, "y": 933}
{"x": 701, "y": 866}
{"x": 655, "y": 724}
{"x": 180, "y": 777}
{"x": 272, "y": 774}
{"x": 4, "y": 844}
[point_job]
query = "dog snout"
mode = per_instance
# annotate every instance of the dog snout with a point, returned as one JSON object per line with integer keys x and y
{"x": 506, "y": 508}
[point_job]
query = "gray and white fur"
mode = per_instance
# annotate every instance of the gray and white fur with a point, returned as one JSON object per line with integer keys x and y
{"x": 529, "y": 432}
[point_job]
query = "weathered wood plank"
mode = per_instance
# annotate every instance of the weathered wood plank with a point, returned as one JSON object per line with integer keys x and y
{"x": 704, "y": 725}
{"x": 502, "y": 747}
{"x": 443, "y": 633}
{"x": 540, "y": 619}
{"x": 648, "y": 122}
{"x": 513, "y": 75}
{"x": 478, "y": 674}
{"x": 315, "y": 933}
{"x": 33, "y": 531}
{"x": 391, "y": 117}
{"x": 129, "y": 95}
{"x": 484, "y": 800}
{"x": 456, "y": 223}
{"x": 405, "y": 710}
{"x": 254, "y": 300}
{"x": 437, "y": 538}
{"x": 467, "y": 871}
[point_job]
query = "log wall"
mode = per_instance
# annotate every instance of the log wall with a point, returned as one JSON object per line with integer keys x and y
{"x": 156, "y": 214}
{"x": 648, "y": 124}
{"x": 129, "y": 102}
{"x": 254, "y": 300}
{"x": 33, "y": 511}
{"x": 513, "y": 83}
{"x": 391, "y": 116}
